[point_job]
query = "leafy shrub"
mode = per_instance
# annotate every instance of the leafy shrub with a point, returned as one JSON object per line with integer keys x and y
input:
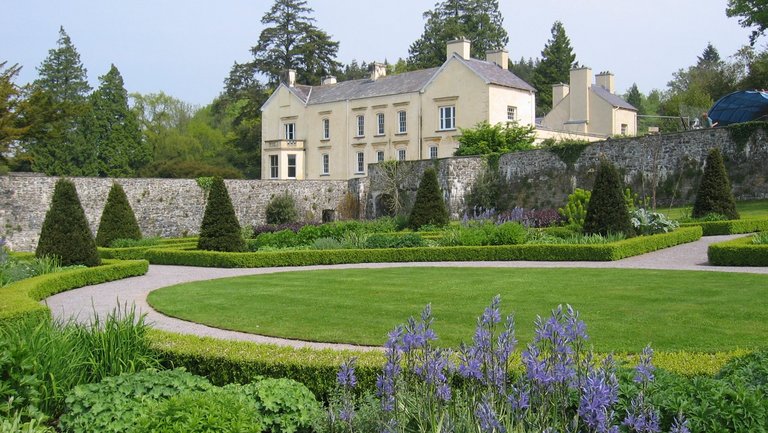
{"x": 738, "y": 252}
{"x": 219, "y": 410}
{"x": 578, "y": 239}
{"x": 575, "y": 211}
{"x": 13, "y": 270}
{"x": 283, "y": 404}
{"x": 65, "y": 233}
{"x": 117, "y": 220}
{"x": 16, "y": 424}
{"x": 651, "y": 223}
{"x": 560, "y": 232}
{"x": 220, "y": 230}
{"x": 760, "y": 238}
{"x": 714, "y": 193}
{"x": 271, "y": 228}
{"x": 731, "y": 227}
{"x": 116, "y": 403}
{"x": 326, "y": 244}
{"x": 130, "y": 243}
{"x": 487, "y": 139}
{"x": 181, "y": 169}
{"x": 282, "y": 239}
{"x": 508, "y": 233}
{"x": 381, "y": 240}
{"x": 429, "y": 207}
{"x": 281, "y": 209}
{"x": 607, "y": 208}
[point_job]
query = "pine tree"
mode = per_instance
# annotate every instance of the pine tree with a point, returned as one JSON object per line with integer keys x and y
{"x": 480, "y": 21}
{"x": 117, "y": 220}
{"x": 635, "y": 98}
{"x": 607, "y": 209}
{"x": 291, "y": 41}
{"x": 65, "y": 233}
{"x": 58, "y": 106}
{"x": 714, "y": 194}
{"x": 11, "y": 104}
{"x": 429, "y": 207}
{"x": 220, "y": 230}
{"x": 557, "y": 60}
{"x": 113, "y": 129}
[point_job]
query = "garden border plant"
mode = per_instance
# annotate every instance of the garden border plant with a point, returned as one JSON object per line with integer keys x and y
{"x": 20, "y": 300}
{"x": 738, "y": 252}
{"x": 535, "y": 252}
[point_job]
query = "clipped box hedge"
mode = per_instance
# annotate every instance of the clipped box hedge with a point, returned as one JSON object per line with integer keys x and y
{"x": 738, "y": 252}
{"x": 21, "y": 299}
{"x": 224, "y": 361}
{"x": 731, "y": 227}
{"x": 137, "y": 253}
{"x": 531, "y": 252}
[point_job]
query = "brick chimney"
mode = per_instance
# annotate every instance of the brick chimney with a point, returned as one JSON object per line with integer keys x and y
{"x": 459, "y": 46}
{"x": 500, "y": 57}
{"x": 378, "y": 70}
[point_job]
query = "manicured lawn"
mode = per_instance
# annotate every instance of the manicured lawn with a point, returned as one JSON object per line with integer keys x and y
{"x": 747, "y": 209}
{"x": 623, "y": 309}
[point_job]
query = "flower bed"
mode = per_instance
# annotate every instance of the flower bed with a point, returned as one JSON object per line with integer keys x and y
{"x": 605, "y": 252}
{"x": 738, "y": 252}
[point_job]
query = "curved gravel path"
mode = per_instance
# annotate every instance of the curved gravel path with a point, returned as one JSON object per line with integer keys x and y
{"x": 103, "y": 298}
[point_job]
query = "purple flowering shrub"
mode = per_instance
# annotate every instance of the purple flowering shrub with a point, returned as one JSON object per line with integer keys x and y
{"x": 529, "y": 218}
{"x": 560, "y": 386}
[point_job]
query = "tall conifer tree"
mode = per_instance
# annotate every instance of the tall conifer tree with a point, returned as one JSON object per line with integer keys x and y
{"x": 58, "y": 105}
{"x": 557, "y": 59}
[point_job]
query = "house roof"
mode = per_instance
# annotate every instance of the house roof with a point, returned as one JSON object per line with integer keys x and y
{"x": 612, "y": 99}
{"x": 407, "y": 82}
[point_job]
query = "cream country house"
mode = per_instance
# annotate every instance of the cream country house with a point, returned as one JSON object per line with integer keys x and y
{"x": 589, "y": 109}
{"x": 334, "y": 130}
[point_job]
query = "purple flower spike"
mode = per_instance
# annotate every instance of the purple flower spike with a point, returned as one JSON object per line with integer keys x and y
{"x": 644, "y": 369}
{"x": 487, "y": 418}
{"x": 346, "y": 376}
{"x": 679, "y": 425}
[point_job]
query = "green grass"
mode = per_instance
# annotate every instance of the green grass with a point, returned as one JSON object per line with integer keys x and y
{"x": 624, "y": 309}
{"x": 747, "y": 209}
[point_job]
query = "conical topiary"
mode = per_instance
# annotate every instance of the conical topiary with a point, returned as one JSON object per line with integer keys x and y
{"x": 714, "y": 195}
{"x": 607, "y": 209}
{"x": 118, "y": 220}
{"x": 429, "y": 207}
{"x": 65, "y": 234}
{"x": 220, "y": 230}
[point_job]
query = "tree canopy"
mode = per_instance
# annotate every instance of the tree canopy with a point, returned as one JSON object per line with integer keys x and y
{"x": 11, "y": 103}
{"x": 751, "y": 13}
{"x": 557, "y": 60}
{"x": 480, "y": 21}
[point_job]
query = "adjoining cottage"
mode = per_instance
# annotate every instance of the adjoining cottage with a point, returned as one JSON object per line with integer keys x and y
{"x": 333, "y": 131}
{"x": 589, "y": 109}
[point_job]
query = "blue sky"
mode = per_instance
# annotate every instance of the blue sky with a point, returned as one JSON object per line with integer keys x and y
{"x": 186, "y": 47}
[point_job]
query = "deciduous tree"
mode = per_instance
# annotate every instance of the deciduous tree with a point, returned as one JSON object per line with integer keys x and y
{"x": 751, "y": 13}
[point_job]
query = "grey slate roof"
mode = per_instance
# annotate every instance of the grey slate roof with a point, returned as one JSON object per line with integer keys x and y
{"x": 407, "y": 82}
{"x": 612, "y": 99}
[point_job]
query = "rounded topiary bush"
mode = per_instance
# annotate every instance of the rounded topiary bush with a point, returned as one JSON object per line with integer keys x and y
{"x": 607, "y": 209}
{"x": 118, "y": 220}
{"x": 429, "y": 207}
{"x": 281, "y": 209}
{"x": 714, "y": 194}
{"x": 65, "y": 234}
{"x": 220, "y": 230}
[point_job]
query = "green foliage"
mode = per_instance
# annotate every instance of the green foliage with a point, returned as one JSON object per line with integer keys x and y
{"x": 44, "y": 359}
{"x": 220, "y": 410}
{"x": 575, "y": 211}
{"x": 429, "y": 207}
{"x": 20, "y": 299}
{"x": 486, "y": 192}
{"x": 116, "y": 403}
{"x": 284, "y": 404}
{"x": 557, "y": 59}
{"x": 16, "y": 424}
{"x": 651, "y": 223}
{"x": 738, "y": 252}
{"x": 13, "y": 270}
{"x": 281, "y": 209}
{"x": 65, "y": 233}
{"x": 577, "y": 239}
{"x": 751, "y": 13}
{"x": 480, "y": 21}
{"x": 120, "y": 252}
{"x": 607, "y": 209}
{"x": 484, "y": 139}
{"x": 741, "y": 133}
{"x": 117, "y": 220}
{"x": 290, "y": 40}
{"x": 568, "y": 151}
{"x": 407, "y": 240}
{"x": 220, "y": 230}
{"x": 11, "y": 105}
{"x": 616, "y": 251}
{"x": 760, "y": 238}
{"x": 714, "y": 192}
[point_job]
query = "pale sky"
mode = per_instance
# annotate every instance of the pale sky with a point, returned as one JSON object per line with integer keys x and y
{"x": 187, "y": 47}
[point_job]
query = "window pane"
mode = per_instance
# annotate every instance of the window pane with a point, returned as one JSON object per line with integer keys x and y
{"x": 402, "y": 122}
{"x": 380, "y": 121}
{"x": 360, "y": 126}
{"x": 380, "y": 156}
{"x": 291, "y": 166}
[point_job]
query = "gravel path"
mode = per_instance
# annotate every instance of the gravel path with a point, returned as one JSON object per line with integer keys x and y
{"x": 103, "y": 298}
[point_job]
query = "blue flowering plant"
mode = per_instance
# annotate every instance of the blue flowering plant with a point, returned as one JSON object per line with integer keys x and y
{"x": 559, "y": 386}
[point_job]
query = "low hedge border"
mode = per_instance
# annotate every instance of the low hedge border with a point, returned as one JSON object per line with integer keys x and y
{"x": 137, "y": 253}
{"x": 223, "y": 361}
{"x": 21, "y": 299}
{"x": 533, "y": 252}
{"x": 738, "y": 252}
{"x": 730, "y": 227}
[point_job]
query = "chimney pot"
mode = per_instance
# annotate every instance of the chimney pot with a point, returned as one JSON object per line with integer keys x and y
{"x": 460, "y": 46}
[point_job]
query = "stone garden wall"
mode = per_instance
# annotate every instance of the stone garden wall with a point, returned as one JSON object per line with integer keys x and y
{"x": 664, "y": 167}
{"x": 163, "y": 207}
